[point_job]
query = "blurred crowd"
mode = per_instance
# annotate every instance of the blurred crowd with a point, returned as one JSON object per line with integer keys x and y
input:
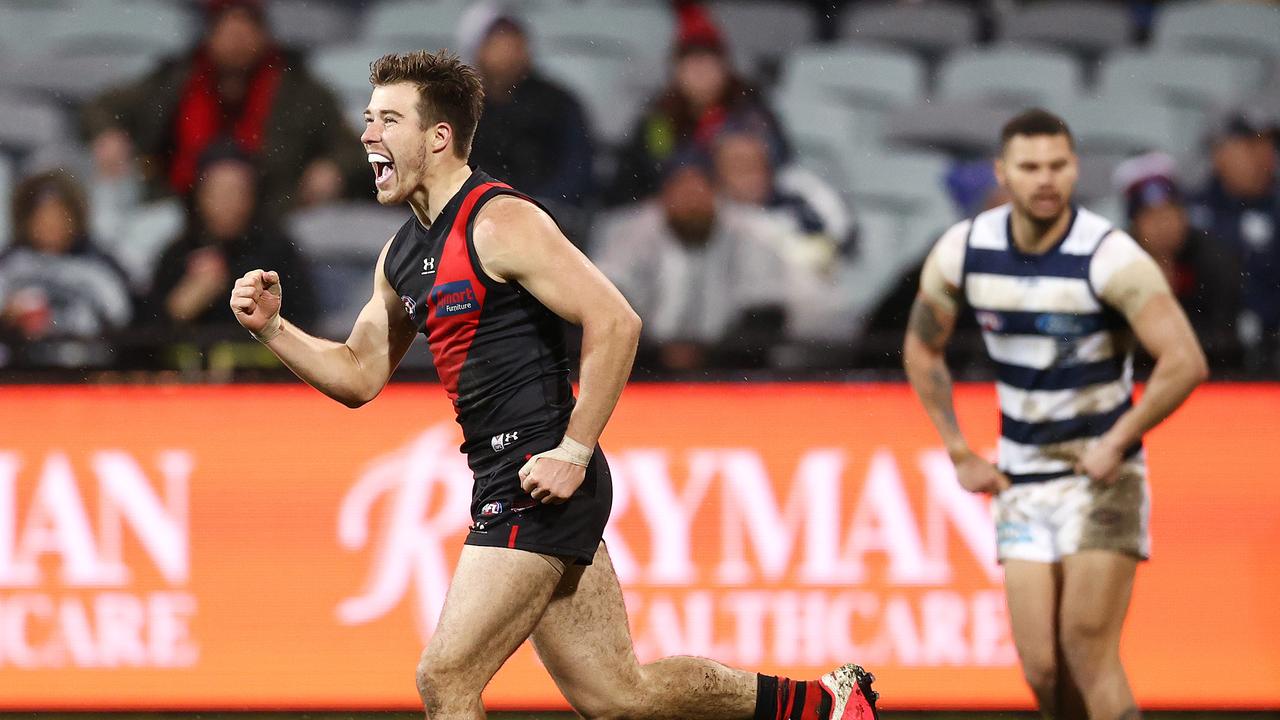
{"x": 739, "y": 251}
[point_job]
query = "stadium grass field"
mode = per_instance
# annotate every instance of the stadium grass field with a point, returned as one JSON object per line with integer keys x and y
{"x": 283, "y": 715}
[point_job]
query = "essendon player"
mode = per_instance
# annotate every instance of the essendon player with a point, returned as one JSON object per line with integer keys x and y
{"x": 486, "y": 275}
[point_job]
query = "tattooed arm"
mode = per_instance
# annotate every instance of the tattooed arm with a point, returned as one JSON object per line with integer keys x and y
{"x": 933, "y": 317}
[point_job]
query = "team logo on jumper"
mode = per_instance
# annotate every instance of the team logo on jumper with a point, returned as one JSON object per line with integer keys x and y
{"x": 989, "y": 321}
{"x": 500, "y": 441}
{"x": 455, "y": 298}
{"x": 410, "y": 306}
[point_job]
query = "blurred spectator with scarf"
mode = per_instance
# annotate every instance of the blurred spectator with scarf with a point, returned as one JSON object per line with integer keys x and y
{"x": 236, "y": 85}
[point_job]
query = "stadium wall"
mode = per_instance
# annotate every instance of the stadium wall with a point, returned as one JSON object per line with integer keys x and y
{"x": 261, "y": 547}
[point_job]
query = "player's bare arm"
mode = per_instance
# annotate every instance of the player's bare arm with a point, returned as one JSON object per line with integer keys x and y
{"x": 517, "y": 242}
{"x": 929, "y": 328}
{"x": 1139, "y": 292}
{"x": 353, "y": 372}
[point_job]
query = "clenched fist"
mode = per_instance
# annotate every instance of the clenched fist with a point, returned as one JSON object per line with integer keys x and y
{"x": 255, "y": 301}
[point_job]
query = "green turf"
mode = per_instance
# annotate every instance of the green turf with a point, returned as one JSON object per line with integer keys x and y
{"x": 1001, "y": 715}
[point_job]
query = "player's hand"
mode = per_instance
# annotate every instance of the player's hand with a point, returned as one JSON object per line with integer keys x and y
{"x": 255, "y": 301}
{"x": 551, "y": 481}
{"x": 977, "y": 475}
{"x": 1101, "y": 461}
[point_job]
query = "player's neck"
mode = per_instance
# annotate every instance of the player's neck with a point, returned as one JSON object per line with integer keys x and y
{"x": 1033, "y": 236}
{"x": 437, "y": 189}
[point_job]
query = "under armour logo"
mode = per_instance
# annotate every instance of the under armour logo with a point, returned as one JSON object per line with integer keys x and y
{"x": 428, "y": 265}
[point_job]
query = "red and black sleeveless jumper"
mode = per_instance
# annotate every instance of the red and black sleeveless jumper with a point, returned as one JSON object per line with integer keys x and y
{"x": 502, "y": 358}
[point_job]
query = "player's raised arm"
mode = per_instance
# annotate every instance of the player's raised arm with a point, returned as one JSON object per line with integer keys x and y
{"x": 354, "y": 372}
{"x": 929, "y": 327}
{"x": 1131, "y": 282}
{"x": 517, "y": 242}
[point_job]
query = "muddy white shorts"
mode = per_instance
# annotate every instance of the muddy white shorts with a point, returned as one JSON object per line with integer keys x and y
{"x": 1046, "y": 521}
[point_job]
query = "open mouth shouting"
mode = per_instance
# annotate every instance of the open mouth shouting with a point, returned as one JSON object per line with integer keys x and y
{"x": 384, "y": 170}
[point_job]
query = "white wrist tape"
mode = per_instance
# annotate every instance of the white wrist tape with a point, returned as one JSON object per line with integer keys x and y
{"x": 273, "y": 328}
{"x": 569, "y": 450}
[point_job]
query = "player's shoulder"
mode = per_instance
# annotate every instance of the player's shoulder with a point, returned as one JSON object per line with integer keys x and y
{"x": 1116, "y": 251}
{"x": 508, "y": 209}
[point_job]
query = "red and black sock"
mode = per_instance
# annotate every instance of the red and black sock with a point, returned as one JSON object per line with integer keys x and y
{"x": 779, "y": 698}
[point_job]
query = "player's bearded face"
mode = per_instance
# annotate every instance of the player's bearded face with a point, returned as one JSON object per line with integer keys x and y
{"x": 394, "y": 141}
{"x": 1040, "y": 173}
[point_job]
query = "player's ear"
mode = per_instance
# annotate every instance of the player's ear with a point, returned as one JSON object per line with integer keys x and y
{"x": 999, "y": 168}
{"x": 440, "y": 137}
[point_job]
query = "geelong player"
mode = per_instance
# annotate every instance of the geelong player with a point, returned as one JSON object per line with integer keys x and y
{"x": 486, "y": 275}
{"x": 1060, "y": 295}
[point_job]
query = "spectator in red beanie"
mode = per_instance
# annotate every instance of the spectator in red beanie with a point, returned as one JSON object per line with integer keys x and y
{"x": 702, "y": 95}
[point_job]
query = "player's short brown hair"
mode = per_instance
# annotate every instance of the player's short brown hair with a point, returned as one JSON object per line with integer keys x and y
{"x": 1033, "y": 122}
{"x": 449, "y": 90}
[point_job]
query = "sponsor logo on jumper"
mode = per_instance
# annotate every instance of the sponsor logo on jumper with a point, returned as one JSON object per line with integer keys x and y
{"x": 455, "y": 298}
{"x": 428, "y": 266}
{"x": 500, "y": 441}
{"x": 1062, "y": 324}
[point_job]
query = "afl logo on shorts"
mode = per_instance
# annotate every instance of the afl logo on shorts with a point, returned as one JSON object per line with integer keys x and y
{"x": 409, "y": 305}
{"x": 989, "y": 321}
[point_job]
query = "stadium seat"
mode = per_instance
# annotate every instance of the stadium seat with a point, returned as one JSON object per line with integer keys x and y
{"x": 855, "y": 74}
{"x": 826, "y": 134}
{"x": 962, "y": 127}
{"x": 603, "y": 84}
{"x": 28, "y": 122}
{"x": 1202, "y": 79}
{"x": 309, "y": 24}
{"x": 1016, "y": 77}
{"x": 6, "y": 192}
{"x": 761, "y": 32}
{"x": 345, "y": 231}
{"x": 932, "y": 28}
{"x": 1121, "y": 124}
{"x": 1194, "y": 85}
{"x": 111, "y": 26}
{"x": 640, "y": 33}
{"x": 73, "y": 77}
{"x": 902, "y": 181}
{"x": 903, "y": 201}
{"x": 1088, "y": 28}
{"x": 341, "y": 243}
{"x": 1239, "y": 28}
{"x": 889, "y": 243}
{"x": 145, "y": 235}
{"x": 345, "y": 69}
{"x": 414, "y": 24}
{"x": 1094, "y": 183}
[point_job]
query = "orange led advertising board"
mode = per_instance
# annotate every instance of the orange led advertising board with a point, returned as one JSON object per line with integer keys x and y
{"x": 264, "y": 547}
